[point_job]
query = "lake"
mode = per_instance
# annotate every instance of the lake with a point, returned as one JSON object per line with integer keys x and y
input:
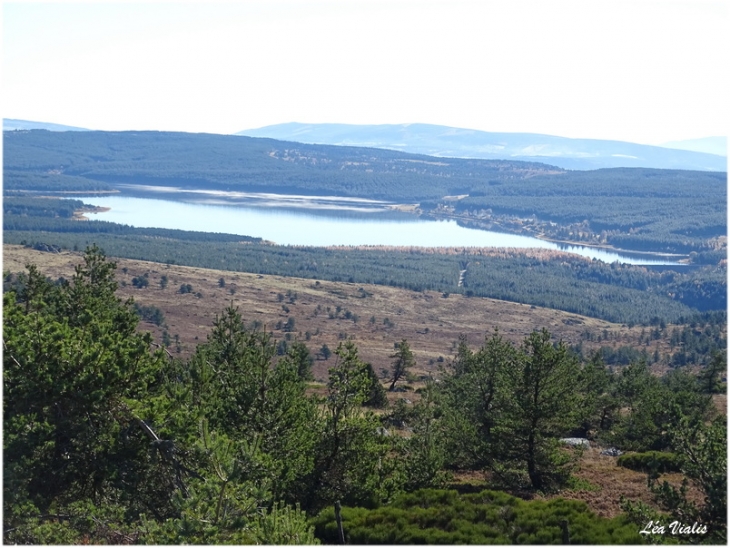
{"x": 313, "y": 221}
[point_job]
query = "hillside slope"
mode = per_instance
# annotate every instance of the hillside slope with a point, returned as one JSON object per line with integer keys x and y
{"x": 331, "y": 311}
{"x": 667, "y": 211}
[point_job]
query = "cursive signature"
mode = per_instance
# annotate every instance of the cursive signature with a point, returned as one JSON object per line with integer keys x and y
{"x": 674, "y": 528}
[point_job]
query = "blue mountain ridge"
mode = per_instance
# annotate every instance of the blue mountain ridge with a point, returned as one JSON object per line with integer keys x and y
{"x": 11, "y": 124}
{"x": 444, "y": 141}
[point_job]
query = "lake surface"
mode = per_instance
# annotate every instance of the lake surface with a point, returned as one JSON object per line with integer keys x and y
{"x": 313, "y": 221}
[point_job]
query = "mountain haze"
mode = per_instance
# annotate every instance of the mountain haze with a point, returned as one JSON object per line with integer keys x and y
{"x": 10, "y": 124}
{"x": 710, "y": 145}
{"x": 443, "y": 141}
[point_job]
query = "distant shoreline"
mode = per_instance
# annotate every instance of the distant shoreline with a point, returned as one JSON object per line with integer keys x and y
{"x": 79, "y": 213}
{"x": 495, "y": 226}
{"x": 329, "y": 202}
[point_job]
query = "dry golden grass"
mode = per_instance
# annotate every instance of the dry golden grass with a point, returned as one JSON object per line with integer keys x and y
{"x": 614, "y": 482}
{"x": 431, "y": 323}
{"x": 609, "y": 482}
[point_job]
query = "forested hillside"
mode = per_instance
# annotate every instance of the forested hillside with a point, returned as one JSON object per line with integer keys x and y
{"x": 650, "y": 210}
{"x": 644, "y": 209}
{"x": 619, "y": 293}
{"x": 221, "y": 161}
{"x": 108, "y": 441}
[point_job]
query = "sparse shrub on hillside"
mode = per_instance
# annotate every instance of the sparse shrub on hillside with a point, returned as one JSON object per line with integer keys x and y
{"x": 150, "y": 314}
{"x": 325, "y": 352}
{"x": 140, "y": 282}
{"x": 651, "y": 461}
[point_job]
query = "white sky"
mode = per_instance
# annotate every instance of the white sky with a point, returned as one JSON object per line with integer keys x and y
{"x": 647, "y": 71}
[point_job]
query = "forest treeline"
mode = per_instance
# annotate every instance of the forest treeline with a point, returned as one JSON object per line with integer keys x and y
{"x": 614, "y": 292}
{"x": 36, "y": 206}
{"x": 107, "y": 441}
{"x": 235, "y": 162}
{"x": 627, "y": 208}
{"x": 632, "y": 208}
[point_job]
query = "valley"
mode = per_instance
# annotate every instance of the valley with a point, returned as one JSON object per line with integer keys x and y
{"x": 273, "y": 362}
{"x": 327, "y": 313}
{"x": 374, "y": 317}
{"x": 657, "y": 210}
{"x": 462, "y": 281}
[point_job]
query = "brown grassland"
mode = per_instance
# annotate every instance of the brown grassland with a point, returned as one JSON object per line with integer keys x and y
{"x": 430, "y": 322}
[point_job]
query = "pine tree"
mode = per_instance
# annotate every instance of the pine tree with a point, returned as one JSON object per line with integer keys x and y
{"x": 711, "y": 375}
{"x": 78, "y": 379}
{"x": 471, "y": 403}
{"x": 244, "y": 394}
{"x": 403, "y": 361}
{"x": 352, "y": 463}
{"x": 537, "y": 404}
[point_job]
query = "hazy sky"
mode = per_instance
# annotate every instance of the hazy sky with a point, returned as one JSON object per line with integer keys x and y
{"x": 647, "y": 71}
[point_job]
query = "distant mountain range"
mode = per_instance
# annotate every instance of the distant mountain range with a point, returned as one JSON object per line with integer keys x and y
{"x": 443, "y": 141}
{"x": 706, "y": 154}
{"x": 9, "y": 124}
{"x": 710, "y": 145}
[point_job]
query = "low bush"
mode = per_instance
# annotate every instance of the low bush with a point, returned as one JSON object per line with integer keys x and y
{"x": 434, "y": 516}
{"x": 150, "y": 314}
{"x": 658, "y": 461}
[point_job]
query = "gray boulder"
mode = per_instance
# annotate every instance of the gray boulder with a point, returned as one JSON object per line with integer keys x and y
{"x": 576, "y": 441}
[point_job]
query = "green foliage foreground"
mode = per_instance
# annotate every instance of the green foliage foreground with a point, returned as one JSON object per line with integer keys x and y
{"x": 106, "y": 441}
{"x": 432, "y": 516}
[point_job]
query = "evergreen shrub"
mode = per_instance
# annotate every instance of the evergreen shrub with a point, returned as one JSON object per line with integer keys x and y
{"x": 434, "y": 516}
{"x": 658, "y": 461}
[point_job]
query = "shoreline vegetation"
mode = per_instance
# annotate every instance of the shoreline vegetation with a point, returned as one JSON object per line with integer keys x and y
{"x": 517, "y": 225}
{"x": 495, "y": 227}
{"x": 486, "y": 251}
{"x": 79, "y": 214}
{"x": 635, "y": 209}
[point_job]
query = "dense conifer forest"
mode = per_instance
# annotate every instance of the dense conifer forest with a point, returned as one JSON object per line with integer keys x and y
{"x": 642, "y": 209}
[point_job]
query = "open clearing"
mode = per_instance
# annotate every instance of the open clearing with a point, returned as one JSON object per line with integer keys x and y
{"x": 375, "y": 317}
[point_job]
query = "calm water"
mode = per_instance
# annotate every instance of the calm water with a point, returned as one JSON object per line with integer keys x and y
{"x": 323, "y": 221}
